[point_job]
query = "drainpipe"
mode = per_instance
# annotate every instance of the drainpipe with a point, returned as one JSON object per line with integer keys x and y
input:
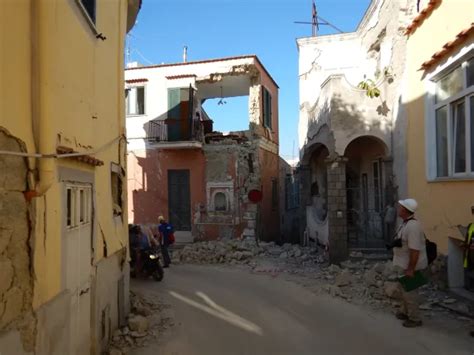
{"x": 41, "y": 123}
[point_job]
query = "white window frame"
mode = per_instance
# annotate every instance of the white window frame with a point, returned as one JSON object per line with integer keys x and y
{"x": 76, "y": 205}
{"x": 225, "y": 187}
{"x": 130, "y": 87}
{"x": 431, "y": 106}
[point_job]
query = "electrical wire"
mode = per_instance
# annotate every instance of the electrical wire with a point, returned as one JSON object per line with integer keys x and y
{"x": 62, "y": 155}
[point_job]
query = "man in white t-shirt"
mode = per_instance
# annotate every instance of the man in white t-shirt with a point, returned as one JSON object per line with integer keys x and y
{"x": 410, "y": 257}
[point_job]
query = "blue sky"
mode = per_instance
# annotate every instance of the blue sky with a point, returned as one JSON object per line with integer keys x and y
{"x": 221, "y": 28}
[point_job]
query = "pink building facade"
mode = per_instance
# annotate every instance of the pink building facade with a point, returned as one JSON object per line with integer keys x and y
{"x": 197, "y": 178}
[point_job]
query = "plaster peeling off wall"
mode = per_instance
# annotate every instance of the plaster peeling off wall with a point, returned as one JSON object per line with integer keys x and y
{"x": 254, "y": 104}
{"x": 15, "y": 277}
{"x": 236, "y": 166}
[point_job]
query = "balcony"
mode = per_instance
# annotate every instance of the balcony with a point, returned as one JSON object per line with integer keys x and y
{"x": 174, "y": 133}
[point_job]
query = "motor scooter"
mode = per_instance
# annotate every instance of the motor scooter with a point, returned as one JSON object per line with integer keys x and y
{"x": 151, "y": 264}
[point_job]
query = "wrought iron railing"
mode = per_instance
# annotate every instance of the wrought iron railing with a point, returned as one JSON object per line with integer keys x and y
{"x": 156, "y": 131}
{"x": 173, "y": 130}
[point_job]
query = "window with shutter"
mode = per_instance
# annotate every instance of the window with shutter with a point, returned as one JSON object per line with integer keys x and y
{"x": 267, "y": 108}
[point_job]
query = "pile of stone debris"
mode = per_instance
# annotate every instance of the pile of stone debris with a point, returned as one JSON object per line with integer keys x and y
{"x": 376, "y": 284}
{"x": 371, "y": 281}
{"x": 145, "y": 323}
{"x": 233, "y": 251}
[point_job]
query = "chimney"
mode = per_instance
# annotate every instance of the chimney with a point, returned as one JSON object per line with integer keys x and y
{"x": 185, "y": 54}
{"x": 133, "y": 65}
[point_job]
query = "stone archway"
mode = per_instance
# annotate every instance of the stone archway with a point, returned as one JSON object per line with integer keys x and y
{"x": 367, "y": 170}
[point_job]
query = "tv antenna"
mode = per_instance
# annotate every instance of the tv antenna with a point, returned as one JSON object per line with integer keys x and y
{"x": 316, "y": 21}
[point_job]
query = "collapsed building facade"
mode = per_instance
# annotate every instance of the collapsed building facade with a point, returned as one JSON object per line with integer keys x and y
{"x": 352, "y": 141}
{"x": 209, "y": 185}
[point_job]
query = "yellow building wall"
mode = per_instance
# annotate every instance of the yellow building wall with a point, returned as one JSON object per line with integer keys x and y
{"x": 79, "y": 104}
{"x": 442, "y": 205}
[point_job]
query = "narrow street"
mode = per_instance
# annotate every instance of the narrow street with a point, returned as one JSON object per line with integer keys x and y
{"x": 230, "y": 311}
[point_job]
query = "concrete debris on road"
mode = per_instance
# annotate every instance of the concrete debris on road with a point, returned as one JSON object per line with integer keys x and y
{"x": 235, "y": 251}
{"x": 143, "y": 327}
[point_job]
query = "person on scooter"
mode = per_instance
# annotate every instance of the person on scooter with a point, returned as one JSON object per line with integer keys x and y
{"x": 165, "y": 230}
{"x": 143, "y": 244}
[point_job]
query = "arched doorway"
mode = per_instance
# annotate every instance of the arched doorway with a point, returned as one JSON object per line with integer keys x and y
{"x": 367, "y": 167}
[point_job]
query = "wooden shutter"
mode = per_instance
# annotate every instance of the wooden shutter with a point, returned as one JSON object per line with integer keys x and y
{"x": 174, "y": 112}
{"x": 267, "y": 108}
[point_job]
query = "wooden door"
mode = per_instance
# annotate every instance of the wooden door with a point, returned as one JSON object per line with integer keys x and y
{"x": 179, "y": 199}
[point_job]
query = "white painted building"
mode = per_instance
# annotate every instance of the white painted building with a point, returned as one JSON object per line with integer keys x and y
{"x": 351, "y": 149}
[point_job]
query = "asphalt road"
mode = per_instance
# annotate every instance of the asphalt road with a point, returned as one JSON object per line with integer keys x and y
{"x": 221, "y": 311}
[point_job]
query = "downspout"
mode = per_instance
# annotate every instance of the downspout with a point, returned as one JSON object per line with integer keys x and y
{"x": 41, "y": 123}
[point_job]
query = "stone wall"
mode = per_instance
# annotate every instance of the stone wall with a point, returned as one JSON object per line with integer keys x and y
{"x": 16, "y": 283}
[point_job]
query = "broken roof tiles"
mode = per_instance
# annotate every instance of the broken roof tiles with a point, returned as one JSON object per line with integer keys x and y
{"x": 181, "y": 76}
{"x": 447, "y": 47}
{"x": 87, "y": 159}
{"x": 422, "y": 16}
{"x": 134, "y": 81}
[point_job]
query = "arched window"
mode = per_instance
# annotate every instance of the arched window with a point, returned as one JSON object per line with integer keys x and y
{"x": 220, "y": 202}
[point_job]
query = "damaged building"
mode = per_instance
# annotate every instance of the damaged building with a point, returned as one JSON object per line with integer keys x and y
{"x": 63, "y": 223}
{"x": 207, "y": 184}
{"x": 352, "y": 130}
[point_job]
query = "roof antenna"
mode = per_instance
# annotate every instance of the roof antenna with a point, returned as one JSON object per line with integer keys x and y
{"x": 185, "y": 54}
{"x": 316, "y": 21}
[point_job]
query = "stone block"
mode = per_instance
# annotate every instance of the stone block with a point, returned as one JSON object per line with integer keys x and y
{"x": 344, "y": 278}
{"x": 370, "y": 278}
{"x": 138, "y": 323}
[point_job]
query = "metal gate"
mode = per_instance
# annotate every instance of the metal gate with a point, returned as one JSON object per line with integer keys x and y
{"x": 365, "y": 226}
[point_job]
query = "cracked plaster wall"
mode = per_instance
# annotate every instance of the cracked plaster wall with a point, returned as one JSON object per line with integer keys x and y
{"x": 15, "y": 277}
{"x": 229, "y": 161}
{"x": 378, "y": 43}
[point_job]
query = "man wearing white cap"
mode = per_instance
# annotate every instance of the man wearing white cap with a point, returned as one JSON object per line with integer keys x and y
{"x": 410, "y": 257}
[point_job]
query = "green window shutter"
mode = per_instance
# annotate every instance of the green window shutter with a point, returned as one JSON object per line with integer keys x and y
{"x": 174, "y": 100}
{"x": 267, "y": 108}
{"x": 174, "y": 112}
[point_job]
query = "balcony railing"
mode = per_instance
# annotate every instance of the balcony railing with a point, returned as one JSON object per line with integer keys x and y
{"x": 171, "y": 130}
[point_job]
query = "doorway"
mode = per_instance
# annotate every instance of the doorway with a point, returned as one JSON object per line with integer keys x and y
{"x": 179, "y": 199}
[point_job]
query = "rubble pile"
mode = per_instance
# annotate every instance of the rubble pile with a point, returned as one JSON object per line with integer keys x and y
{"x": 235, "y": 251}
{"x": 361, "y": 282}
{"x": 376, "y": 284}
{"x": 369, "y": 281}
{"x": 145, "y": 323}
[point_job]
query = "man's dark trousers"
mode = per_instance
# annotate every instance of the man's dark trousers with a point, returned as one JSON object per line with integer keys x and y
{"x": 166, "y": 255}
